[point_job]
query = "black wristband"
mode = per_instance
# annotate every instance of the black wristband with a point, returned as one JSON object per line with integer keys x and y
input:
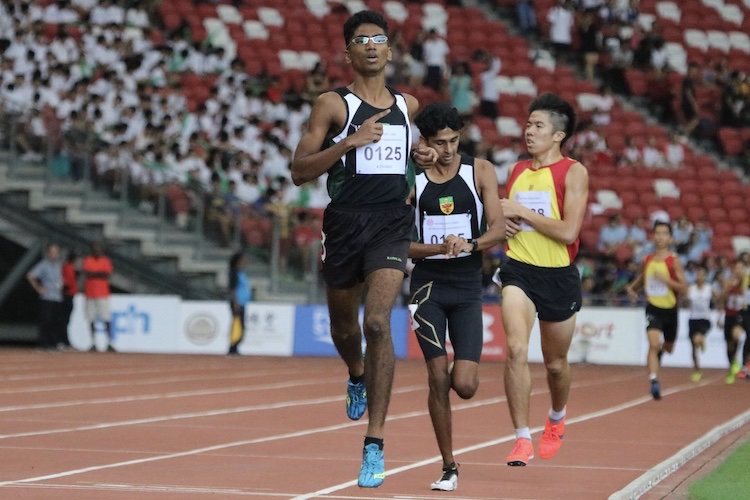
{"x": 474, "y": 245}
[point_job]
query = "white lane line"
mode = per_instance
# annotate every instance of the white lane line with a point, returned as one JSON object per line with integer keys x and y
{"x": 504, "y": 439}
{"x": 154, "y": 381}
{"x": 658, "y": 473}
{"x": 168, "y": 395}
{"x": 302, "y": 433}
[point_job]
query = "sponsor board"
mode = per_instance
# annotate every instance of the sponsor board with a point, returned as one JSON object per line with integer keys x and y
{"x": 140, "y": 323}
{"x": 312, "y": 335}
{"x": 602, "y": 336}
{"x": 269, "y": 330}
{"x": 493, "y": 336}
{"x": 204, "y": 327}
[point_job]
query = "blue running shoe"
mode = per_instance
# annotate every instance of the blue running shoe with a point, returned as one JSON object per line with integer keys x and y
{"x": 372, "y": 473}
{"x": 356, "y": 400}
{"x": 656, "y": 389}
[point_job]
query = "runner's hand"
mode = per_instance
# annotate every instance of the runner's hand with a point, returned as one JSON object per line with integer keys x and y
{"x": 425, "y": 157}
{"x": 370, "y": 131}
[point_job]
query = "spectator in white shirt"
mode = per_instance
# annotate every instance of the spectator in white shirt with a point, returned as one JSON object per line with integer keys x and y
{"x": 631, "y": 155}
{"x": 602, "y": 107}
{"x": 490, "y": 93}
{"x": 675, "y": 152}
{"x": 561, "y": 19}
{"x": 435, "y": 50}
{"x": 652, "y": 157}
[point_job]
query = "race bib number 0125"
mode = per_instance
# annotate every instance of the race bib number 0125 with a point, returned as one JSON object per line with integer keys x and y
{"x": 387, "y": 156}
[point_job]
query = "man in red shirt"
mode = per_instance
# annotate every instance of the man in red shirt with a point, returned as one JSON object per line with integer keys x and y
{"x": 97, "y": 269}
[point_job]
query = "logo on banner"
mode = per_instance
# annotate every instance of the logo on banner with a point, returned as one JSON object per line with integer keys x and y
{"x": 446, "y": 205}
{"x": 262, "y": 322}
{"x": 131, "y": 321}
{"x": 201, "y": 328}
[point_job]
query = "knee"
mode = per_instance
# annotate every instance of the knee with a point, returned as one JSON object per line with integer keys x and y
{"x": 376, "y": 328}
{"x": 465, "y": 388}
{"x": 517, "y": 352}
{"x": 344, "y": 329}
{"x": 556, "y": 367}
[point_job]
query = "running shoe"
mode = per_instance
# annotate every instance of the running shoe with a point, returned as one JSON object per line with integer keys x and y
{"x": 552, "y": 438}
{"x": 735, "y": 368}
{"x": 449, "y": 480}
{"x": 696, "y": 376}
{"x": 356, "y": 400}
{"x": 372, "y": 473}
{"x": 522, "y": 452}
{"x": 656, "y": 389}
{"x": 730, "y": 377}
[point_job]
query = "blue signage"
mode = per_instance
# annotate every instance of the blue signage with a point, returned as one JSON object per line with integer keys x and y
{"x": 312, "y": 331}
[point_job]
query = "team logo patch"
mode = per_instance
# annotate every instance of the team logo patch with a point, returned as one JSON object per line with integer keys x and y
{"x": 447, "y": 205}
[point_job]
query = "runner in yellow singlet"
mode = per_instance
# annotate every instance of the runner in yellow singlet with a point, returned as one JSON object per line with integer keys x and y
{"x": 662, "y": 278}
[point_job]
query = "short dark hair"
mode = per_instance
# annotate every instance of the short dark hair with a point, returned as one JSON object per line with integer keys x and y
{"x": 561, "y": 113}
{"x": 665, "y": 224}
{"x": 360, "y": 18}
{"x": 435, "y": 117}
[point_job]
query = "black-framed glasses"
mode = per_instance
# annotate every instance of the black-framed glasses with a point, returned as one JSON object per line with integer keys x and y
{"x": 363, "y": 40}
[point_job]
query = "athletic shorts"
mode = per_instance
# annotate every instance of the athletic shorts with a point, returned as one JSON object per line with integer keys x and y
{"x": 356, "y": 243}
{"x": 98, "y": 309}
{"x": 698, "y": 327}
{"x": 555, "y": 291}
{"x": 729, "y": 323}
{"x": 458, "y": 306}
{"x": 664, "y": 320}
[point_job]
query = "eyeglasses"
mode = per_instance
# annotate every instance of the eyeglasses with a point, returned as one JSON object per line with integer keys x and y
{"x": 363, "y": 40}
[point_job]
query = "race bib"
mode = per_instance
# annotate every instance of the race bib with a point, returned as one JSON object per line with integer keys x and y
{"x": 656, "y": 288}
{"x": 387, "y": 156}
{"x": 538, "y": 201}
{"x": 437, "y": 227}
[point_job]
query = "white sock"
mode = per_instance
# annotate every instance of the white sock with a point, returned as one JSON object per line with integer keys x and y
{"x": 523, "y": 433}
{"x": 556, "y": 416}
{"x": 652, "y": 376}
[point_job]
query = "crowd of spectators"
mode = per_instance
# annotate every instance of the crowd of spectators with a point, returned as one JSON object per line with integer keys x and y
{"x": 95, "y": 80}
{"x": 610, "y": 39}
{"x": 105, "y": 86}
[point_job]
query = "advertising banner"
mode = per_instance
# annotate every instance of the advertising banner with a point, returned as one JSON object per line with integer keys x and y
{"x": 140, "y": 323}
{"x": 603, "y": 336}
{"x": 312, "y": 335}
{"x": 204, "y": 327}
{"x": 269, "y": 329}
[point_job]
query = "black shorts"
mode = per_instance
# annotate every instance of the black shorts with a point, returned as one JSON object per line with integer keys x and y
{"x": 698, "y": 327}
{"x": 664, "y": 320}
{"x": 457, "y": 305}
{"x": 356, "y": 243}
{"x": 729, "y": 323}
{"x": 555, "y": 291}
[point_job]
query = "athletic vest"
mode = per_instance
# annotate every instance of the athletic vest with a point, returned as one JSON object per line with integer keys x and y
{"x": 374, "y": 174}
{"x": 453, "y": 207}
{"x": 543, "y": 191}
{"x": 657, "y": 292}
{"x": 700, "y": 301}
{"x": 735, "y": 301}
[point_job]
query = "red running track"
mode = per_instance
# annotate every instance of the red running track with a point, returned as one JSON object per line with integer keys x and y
{"x": 124, "y": 426}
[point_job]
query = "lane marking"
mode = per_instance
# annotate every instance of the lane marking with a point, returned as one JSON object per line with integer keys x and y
{"x": 278, "y": 437}
{"x": 438, "y": 458}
